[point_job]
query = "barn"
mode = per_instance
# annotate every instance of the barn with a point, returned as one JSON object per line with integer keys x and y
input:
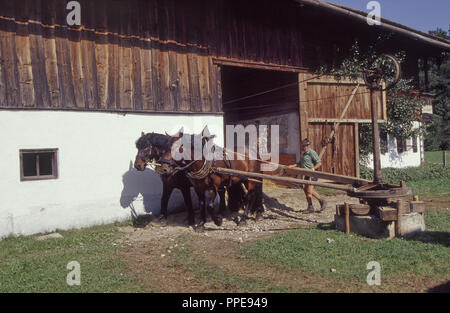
{"x": 74, "y": 98}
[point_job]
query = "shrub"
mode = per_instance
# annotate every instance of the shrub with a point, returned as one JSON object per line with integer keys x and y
{"x": 396, "y": 175}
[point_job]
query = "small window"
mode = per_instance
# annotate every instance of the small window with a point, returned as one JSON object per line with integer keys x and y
{"x": 383, "y": 142}
{"x": 414, "y": 144}
{"x": 38, "y": 164}
{"x": 401, "y": 145}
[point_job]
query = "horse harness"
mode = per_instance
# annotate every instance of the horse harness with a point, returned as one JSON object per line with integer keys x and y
{"x": 206, "y": 169}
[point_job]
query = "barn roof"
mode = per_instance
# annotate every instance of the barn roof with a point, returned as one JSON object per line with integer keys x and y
{"x": 387, "y": 25}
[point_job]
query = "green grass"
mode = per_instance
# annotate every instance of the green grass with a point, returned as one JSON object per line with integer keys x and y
{"x": 28, "y": 265}
{"x": 327, "y": 192}
{"x": 428, "y": 254}
{"x": 439, "y": 187}
{"x": 427, "y": 180}
{"x": 436, "y": 157}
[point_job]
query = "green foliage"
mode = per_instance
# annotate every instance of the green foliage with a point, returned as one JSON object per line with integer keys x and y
{"x": 401, "y": 106}
{"x": 428, "y": 180}
{"x": 396, "y": 175}
{"x": 438, "y": 132}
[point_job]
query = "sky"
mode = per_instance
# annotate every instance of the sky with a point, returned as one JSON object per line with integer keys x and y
{"x": 419, "y": 14}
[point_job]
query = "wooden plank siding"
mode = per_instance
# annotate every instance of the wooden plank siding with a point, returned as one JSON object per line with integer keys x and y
{"x": 127, "y": 56}
{"x": 322, "y": 101}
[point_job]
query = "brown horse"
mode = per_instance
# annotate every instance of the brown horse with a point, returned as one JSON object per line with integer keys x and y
{"x": 151, "y": 147}
{"x": 205, "y": 181}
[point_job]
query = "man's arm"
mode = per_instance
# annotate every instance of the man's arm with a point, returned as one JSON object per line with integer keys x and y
{"x": 316, "y": 160}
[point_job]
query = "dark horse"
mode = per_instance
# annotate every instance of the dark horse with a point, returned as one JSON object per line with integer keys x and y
{"x": 206, "y": 181}
{"x": 151, "y": 147}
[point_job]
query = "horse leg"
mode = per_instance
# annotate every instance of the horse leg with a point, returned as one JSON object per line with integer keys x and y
{"x": 167, "y": 191}
{"x": 212, "y": 197}
{"x": 186, "y": 191}
{"x": 258, "y": 202}
{"x": 222, "y": 206}
{"x": 249, "y": 203}
{"x": 235, "y": 196}
{"x": 201, "y": 200}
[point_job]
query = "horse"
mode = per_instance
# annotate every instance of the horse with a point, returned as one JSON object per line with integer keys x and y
{"x": 205, "y": 180}
{"x": 151, "y": 147}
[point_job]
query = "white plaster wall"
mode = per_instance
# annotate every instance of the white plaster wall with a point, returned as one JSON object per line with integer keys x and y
{"x": 97, "y": 182}
{"x": 400, "y": 160}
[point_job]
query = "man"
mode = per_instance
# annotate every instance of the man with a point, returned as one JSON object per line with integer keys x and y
{"x": 310, "y": 160}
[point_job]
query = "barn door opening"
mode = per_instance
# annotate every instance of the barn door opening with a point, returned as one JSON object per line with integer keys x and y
{"x": 264, "y": 97}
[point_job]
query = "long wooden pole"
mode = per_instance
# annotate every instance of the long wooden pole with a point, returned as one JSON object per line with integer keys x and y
{"x": 295, "y": 181}
{"x": 334, "y": 177}
{"x": 375, "y": 138}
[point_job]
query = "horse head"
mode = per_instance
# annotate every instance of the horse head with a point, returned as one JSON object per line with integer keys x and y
{"x": 182, "y": 151}
{"x": 146, "y": 151}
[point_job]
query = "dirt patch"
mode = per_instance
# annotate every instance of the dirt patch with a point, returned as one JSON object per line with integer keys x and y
{"x": 442, "y": 203}
{"x": 147, "y": 250}
{"x": 212, "y": 261}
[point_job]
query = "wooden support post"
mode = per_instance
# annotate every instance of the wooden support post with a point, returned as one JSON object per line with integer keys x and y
{"x": 347, "y": 218}
{"x": 357, "y": 156}
{"x": 303, "y": 112}
{"x": 444, "y": 158}
{"x": 398, "y": 224}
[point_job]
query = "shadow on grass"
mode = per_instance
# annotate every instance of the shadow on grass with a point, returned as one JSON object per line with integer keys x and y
{"x": 443, "y": 288}
{"x": 327, "y": 226}
{"x": 434, "y": 237}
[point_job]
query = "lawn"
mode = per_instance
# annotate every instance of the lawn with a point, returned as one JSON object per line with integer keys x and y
{"x": 436, "y": 157}
{"x": 425, "y": 255}
{"x": 28, "y": 265}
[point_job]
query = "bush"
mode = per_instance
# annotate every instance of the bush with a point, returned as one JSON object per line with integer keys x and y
{"x": 396, "y": 175}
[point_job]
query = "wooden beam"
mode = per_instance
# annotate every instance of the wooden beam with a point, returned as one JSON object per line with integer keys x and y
{"x": 347, "y": 218}
{"x": 341, "y": 121}
{"x": 333, "y": 177}
{"x": 336, "y": 82}
{"x": 258, "y": 65}
{"x": 357, "y": 156}
{"x": 303, "y": 112}
{"x": 294, "y": 181}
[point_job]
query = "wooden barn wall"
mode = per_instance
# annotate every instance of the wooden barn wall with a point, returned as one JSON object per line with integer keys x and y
{"x": 153, "y": 55}
{"x": 327, "y": 98}
{"x": 127, "y": 55}
{"x": 339, "y": 157}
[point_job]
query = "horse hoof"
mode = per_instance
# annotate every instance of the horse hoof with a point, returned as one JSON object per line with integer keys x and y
{"x": 242, "y": 222}
{"x": 163, "y": 221}
{"x": 259, "y": 216}
{"x": 200, "y": 228}
{"x": 218, "y": 221}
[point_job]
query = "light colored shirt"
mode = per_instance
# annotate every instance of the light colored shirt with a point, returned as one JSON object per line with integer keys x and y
{"x": 309, "y": 159}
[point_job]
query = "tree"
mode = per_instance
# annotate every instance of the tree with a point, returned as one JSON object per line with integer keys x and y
{"x": 402, "y": 107}
{"x": 438, "y": 132}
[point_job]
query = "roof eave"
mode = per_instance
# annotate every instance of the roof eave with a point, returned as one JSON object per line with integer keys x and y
{"x": 386, "y": 24}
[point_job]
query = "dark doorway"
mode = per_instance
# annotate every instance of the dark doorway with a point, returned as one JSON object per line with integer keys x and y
{"x": 263, "y": 97}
